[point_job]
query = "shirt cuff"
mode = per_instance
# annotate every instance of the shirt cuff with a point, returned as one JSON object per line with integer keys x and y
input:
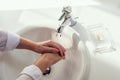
{"x": 12, "y": 41}
{"x": 32, "y": 71}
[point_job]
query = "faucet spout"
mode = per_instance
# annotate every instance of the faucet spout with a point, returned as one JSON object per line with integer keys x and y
{"x": 66, "y": 15}
{"x": 62, "y": 25}
{"x": 68, "y": 20}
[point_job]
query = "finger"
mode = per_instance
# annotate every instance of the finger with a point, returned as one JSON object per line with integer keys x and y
{"x": 62, "y": 54}
{"x": 49, "y": 50}
{"x": 53, "y": 44}
{"x": 62, "y": 50}
{"x": 58, "y": 46}
{"x": 59, "y": 57}
{"x": 62, "y": 57}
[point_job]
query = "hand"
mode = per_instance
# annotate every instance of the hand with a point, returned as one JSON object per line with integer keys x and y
{"x": 49, "y": 47}
{"x": 41, "y": 47}
{"x": 46, "y": 60}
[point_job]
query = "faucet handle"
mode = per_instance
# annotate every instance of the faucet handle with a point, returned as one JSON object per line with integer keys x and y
{"x": 66, "y": 11}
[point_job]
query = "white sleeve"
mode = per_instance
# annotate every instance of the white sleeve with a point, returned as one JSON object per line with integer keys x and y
{"x": 8, "y": 40}
{"x": 12, "y": 41}
{"x": 24, "y": 77}
{"x": 31, "y": 72}
{"x": 3, "y": 40}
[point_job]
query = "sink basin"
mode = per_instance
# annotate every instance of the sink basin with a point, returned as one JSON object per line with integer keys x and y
{"x": 74, "y": 67}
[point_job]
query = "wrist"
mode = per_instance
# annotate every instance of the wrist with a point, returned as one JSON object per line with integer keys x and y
{"x": 26, "y": 44}
{"x": 42, "y": 64}
{"x": 38, "y": 47}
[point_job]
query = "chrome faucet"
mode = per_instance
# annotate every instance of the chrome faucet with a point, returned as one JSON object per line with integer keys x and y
{"x": 68, "y": 20}
{"x": 72, "y": 22}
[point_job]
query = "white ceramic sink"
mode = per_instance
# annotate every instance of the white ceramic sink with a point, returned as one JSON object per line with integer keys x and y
{"x": 74, "y": 67}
